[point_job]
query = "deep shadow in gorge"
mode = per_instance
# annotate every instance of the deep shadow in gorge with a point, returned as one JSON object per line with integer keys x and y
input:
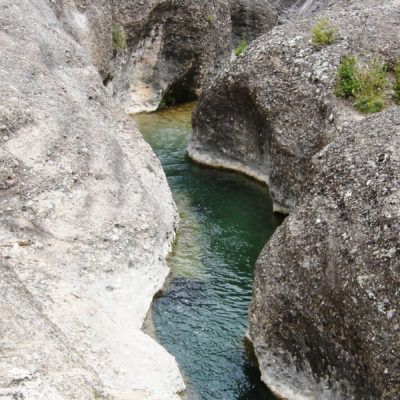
{"x": 226, "y": 219}
{"x": 181, "y": 91}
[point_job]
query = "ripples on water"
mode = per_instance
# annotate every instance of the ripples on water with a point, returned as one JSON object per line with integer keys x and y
{"x": 225, "y": 221}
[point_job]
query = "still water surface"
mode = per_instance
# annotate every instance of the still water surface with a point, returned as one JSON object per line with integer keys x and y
{"x": 225, "y": 219}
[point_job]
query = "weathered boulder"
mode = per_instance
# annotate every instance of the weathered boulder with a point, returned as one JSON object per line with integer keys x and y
{"x": 275, "y": 107}
{"x": 173, "y": 48}
{"x": 250, "y": 19}
{"x": 325, "y": 314}
{"x": 86, "y": 218}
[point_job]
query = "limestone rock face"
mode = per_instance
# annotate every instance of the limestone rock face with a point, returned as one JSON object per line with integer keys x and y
{"x": 324, "y": 318}
{"x": 173, "y": 48}
{"x": 86, "y": 218}
{"x": 275, "y": 106}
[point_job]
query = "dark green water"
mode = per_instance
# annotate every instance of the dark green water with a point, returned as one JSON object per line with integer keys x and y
{"x": 226, "y": 219}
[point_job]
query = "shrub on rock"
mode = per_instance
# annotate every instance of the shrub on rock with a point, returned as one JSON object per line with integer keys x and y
{"x": 323, "y": 33}
{"x": 366, "y": 83}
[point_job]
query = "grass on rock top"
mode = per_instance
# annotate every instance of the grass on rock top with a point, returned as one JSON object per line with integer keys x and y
{"x": 366, "y": 83}
{"x": 241, "y": 47}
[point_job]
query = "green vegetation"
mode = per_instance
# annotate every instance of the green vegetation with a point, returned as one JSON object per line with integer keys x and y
{"x": 211, "y": 19}
{"x": 366, "y": 83}
{"x": 167, "y": 101}
{"x": 396, "y": 86}
{"x": 373, "y": 81}
{"x": 347, "y": 83}
{"x": 118, "y": 37}
{"x": 323, "y": 33}
{"x": 241, "y": 47}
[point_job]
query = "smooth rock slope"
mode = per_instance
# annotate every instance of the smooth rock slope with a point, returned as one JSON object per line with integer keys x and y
{"x": 86, "y": 218}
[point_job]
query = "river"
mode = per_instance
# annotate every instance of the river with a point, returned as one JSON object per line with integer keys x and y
{"x": 225, "y": 220}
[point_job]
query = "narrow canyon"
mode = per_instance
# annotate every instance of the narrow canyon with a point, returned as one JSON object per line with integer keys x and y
{"x": 199, "y": 199}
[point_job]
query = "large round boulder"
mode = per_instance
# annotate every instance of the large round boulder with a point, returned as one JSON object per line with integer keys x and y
{"x": 251, "y": 19}
{"x": 324, "y": 318}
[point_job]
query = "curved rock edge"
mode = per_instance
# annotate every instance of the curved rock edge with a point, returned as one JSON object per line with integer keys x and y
{"x": 208, "y": 159}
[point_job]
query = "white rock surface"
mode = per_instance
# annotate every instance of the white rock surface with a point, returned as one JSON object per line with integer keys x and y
{"x": 86, "y": 219}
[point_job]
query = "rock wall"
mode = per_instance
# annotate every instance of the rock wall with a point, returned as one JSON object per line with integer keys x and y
{"x": 86, "y": 218}
{"x": 173, "y": 48}
{"x": 275, "y": 107}
{"x": 324, "y": 318}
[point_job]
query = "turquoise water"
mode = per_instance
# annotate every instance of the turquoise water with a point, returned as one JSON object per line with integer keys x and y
{"x": 226, "y": 219}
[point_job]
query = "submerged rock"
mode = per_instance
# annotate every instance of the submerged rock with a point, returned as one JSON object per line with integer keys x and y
{"x": 324, "y": 317}
{"x": 275, "y": 107}
{"x": 86, "y": 218}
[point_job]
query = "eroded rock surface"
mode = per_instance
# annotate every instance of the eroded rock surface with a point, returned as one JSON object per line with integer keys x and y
{"x": 275, "y": 107}
{"x": 324, "y": 318}
{"x": 173, "y": 48}
{"x": 86, "y": 218}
